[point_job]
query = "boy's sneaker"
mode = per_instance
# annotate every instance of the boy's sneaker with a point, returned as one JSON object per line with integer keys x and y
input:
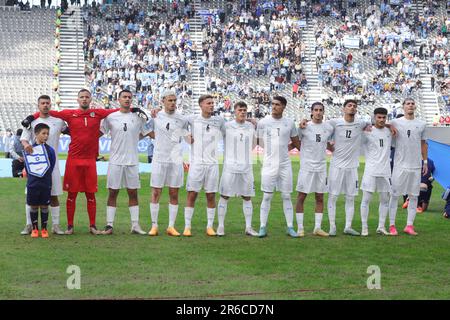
{"x": 44, "y": 233}
{"x": 35, "y": 233}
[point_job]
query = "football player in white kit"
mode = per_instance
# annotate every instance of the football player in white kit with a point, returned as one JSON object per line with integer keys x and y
{"x": 168, "y": 128}
{"x": 343, "y": 173}
{"x": 312, "y": 176}
{"x": 237, "y": 175}
{"x": 410, "y": 149}
{"x": 377, "y": 172}
{"x": 57, "y": 126}
{"x": 207, "y": 131}
{"x": 275, "y": 134}
{"x": 126, "y": 128}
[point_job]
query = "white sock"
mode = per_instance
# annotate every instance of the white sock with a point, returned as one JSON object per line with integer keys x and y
{"x": 27, "y": 214}
{"x": 222, "y": 211}
{"x": 173, "y": 211}
{"x": 349, "y": 210}
{"x": 288, "y": 210}
{"x": 412, "y": 207}
{"x": 188, "y": 213}
{"x": 110, "y": 214}
{"x": 210, "y": 214}
{"x": 247, "y": 207}
{"x": 365, "y": 202}
{"x": 265, "y": 208}
{"x": 55, "y": 215}
{"x": 318, "y": 221}
{"x": 134, "y": 214}
{"x": 332, "y": 210}
{"x": 299, "y": 216}
{"x": 154, "y": 211}
{"x": 383, "y": 209}
{"x": 393, "y": 204}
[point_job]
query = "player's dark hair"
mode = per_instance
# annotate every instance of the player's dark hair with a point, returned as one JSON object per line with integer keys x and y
{"x": 19, "y": 132}
{"x": 125, "y": 91}
{"x": 83, "y": 90}
{"x": 281, "y": 99}
{"x": 39, "y": 127}
{"x": 44, "y": 97}
{"x": 240, "y": 104}
{"x": 203, "y": 97}
{"x": 380, "y": 111}
{"x": 350, "y": 101}
{"x": 317, "y": 104}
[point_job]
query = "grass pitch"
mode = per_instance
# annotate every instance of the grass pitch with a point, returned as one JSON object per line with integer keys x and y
{"x": 231, "y": 267}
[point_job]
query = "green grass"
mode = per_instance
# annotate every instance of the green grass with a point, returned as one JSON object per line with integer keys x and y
{"x": 231, "y": 267}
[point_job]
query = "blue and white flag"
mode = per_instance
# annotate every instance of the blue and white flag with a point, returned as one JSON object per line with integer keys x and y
{"x": 38, "y": 162}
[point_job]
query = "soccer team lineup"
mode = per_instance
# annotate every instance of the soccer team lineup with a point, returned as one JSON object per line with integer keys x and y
{"x": 346, "y": 138}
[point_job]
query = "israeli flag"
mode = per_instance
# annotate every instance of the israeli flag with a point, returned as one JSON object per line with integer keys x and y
{"x": 37, "y": 163}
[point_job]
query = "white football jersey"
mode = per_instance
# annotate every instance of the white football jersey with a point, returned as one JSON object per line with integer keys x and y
{"x": 56, "y": 126}
{"x": 125, "y": 128}
{"x": 408, "y": 142}
{"x": 207, "y": 133}
{"x": 238, "y": 144}
{"x": 169, "y": 130}
{"x": 314, "y": 139}
{"x": 377, "y": 146}
{"x": 347, "y": 142}
{"x": 276, "y": 135}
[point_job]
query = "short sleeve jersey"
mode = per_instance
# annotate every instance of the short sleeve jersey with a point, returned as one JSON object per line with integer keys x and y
{"x": 314, "y": 139}
{"x": 408, "y": 142}
{"x": 125, "y": 129}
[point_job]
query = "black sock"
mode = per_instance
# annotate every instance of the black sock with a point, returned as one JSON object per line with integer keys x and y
{"x": 34, "y": 215}
{"x": 44, "y": 218}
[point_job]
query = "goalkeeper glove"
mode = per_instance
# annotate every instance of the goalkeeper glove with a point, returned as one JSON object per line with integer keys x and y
{"x": 140, "y": 112}
{"x": 27, "y": 121}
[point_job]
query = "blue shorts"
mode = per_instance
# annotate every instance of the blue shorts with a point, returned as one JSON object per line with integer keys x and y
{"x": 38, "y": 196}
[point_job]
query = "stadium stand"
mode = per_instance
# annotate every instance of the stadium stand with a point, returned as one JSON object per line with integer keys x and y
{"x": 26, "y": 63}
{"x": 376, "y": 51}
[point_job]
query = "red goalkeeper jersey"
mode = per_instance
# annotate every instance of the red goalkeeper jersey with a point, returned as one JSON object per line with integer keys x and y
{"x": 84, "y": 126}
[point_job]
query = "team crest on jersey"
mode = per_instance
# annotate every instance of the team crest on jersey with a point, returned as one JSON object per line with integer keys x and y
{"x": 92, "y": 114}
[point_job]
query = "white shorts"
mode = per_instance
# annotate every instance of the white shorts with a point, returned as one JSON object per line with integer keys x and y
{"x": 123, "y": 177}
{"x": 280, "y": 181}
{"x": 375, "y": 184}
{"x": 204, "y": 176}
{"x": 406, "y": 181}
{"x": 343, "y": 181}
{"x": 167, "y": 175}
{"x": 237, "y": 184}
{"x": 309, "y": 182}
{"x": 56, "y": 181}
